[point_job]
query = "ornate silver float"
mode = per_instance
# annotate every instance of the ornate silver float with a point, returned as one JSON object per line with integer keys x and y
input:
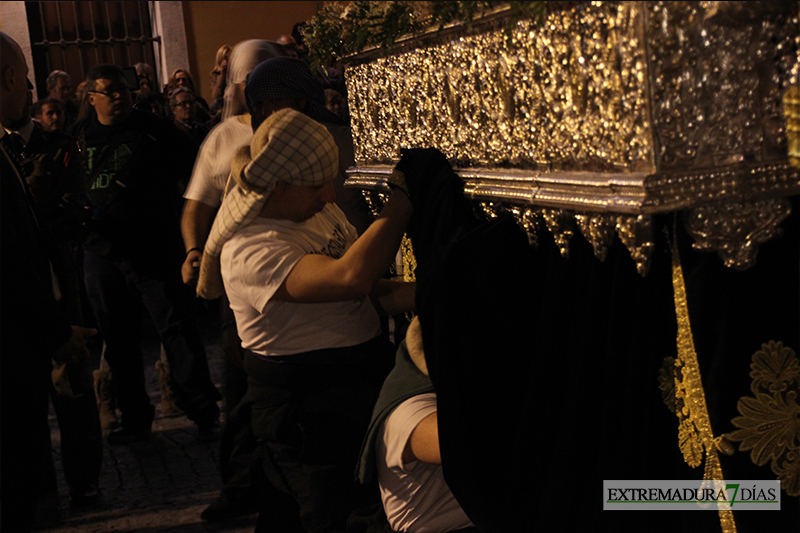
{"x": 598, "y": 118}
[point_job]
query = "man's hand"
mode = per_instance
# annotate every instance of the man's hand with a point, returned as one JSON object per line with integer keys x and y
{"x": 190, "y": 270}
{"x": 196, "y": 221}
{"x": 42, "y": 173}
{"x": 74, "y": 349}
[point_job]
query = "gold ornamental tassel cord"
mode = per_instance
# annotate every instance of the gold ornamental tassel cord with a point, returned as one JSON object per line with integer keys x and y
{"x": 695, "y": 434}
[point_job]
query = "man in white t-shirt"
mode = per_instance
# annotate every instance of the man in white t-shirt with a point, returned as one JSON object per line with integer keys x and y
{"x": 283, "y": 82}
{"x": 213, "y": 165}
{"x": 304, "y": 291}
{"x": 239, "y": 462}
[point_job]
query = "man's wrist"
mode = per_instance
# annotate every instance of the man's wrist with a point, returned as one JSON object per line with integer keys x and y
{"x": 190, "y": 250}
{"x": 397, "y": 180}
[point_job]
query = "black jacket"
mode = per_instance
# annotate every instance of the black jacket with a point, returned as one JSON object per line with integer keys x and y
{"x": 134, "y": 201}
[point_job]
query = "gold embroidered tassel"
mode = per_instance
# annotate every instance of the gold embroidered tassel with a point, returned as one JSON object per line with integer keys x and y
{"x": 695, "y": 433}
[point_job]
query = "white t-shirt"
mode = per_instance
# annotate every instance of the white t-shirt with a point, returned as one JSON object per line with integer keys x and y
{"x": 256, "y": 261}
{"x": 415, "y": 496}
{"x": 213, "y": 165}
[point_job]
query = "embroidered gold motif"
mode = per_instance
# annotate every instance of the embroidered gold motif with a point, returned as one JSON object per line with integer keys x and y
{"x": 791, "y": 110}
{"x": 690, "y": 444}
{"x": 409, "y": 266}
{"x": 666, "y": 383}
{"x": 724, "y": 445}
{"x": 409, "y": 260}
{"x": 769, "y": 425}
{"x": 689, "y": 439}
{"x": 774, "y": 369}
{"x": 788, "y": 471}
{"x": 695, "y": 436}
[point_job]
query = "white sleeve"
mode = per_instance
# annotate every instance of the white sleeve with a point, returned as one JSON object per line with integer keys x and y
{"x": 401, "y": 423}
{"x": 204, "y": 185}
{"x": 273, "y": 262}
{"x": 213, "y": 164}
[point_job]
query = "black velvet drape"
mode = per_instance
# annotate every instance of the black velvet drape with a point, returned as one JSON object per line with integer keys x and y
{"x": 546, "y": 368}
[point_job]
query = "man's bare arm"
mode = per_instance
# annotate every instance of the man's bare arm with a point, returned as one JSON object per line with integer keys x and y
{"x": 392, "y": 297}
{"x": 424, "y": 442}
{"x": 319, "y": 278}
{"x": 196, "y": 222}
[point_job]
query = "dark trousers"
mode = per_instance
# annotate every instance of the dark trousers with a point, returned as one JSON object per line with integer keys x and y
{"x": 78, "y": 419}
{"x": 115, "y": 290}
{"x": 240, "y": 461}
{"x": 239, "y": 458}
{"x": 241, "y": 464}
{"x": 310, "y": 414}
{"x": 79, "y": 426}
{"x": 24, "y": 438}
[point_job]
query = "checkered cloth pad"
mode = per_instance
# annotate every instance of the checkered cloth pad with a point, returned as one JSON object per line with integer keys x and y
{"x": 288, "y": 146}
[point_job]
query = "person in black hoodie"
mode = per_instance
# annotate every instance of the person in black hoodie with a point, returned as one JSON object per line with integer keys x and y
{"x": 135, "y": 163}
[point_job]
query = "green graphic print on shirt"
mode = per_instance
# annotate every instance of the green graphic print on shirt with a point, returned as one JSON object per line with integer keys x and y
{"x": 115, "y": 163}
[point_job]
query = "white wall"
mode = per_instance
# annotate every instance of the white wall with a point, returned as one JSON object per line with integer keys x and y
{"x": 167, "y": 18}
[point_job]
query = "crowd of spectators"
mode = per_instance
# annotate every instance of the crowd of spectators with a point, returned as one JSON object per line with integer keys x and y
{"x": 135, "y": 197}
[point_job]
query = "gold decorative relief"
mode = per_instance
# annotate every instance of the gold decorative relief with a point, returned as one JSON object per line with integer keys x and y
{"x": 636, "y": 233}
{"x": 736, "y": 230}
{"x": 528, "y": 220}
{"x": 532, "y": 96}
{"x": 775, "y": 369}
{"x": 409, "y": 260}
{"x": 666, "y": 383}
{"x": 630, "y": 108}
{"x": 713, "y": 104}
{"x": 791, "y": 110}
{"x": 375, "y": 201}
{"x": 561, "y": 224}
{"x": 690, "y": 444}
{"x": 724, "y": 445}
{"x": 491, "y": 209}
{"x": 769, "y": 425}
{"x": 598, "y": 228}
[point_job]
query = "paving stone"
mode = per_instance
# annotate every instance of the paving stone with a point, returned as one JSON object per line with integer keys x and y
{"x": 159, "y": 485}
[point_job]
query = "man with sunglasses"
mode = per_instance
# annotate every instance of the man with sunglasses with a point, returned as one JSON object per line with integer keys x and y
{"x": 134, "y": 165}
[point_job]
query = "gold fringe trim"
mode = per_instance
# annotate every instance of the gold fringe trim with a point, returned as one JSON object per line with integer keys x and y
{"x": 695, "y": 434}
{"x": 791, "y": 110}
{"x": 409, "y": 260}
{"x": 409, "y": 266}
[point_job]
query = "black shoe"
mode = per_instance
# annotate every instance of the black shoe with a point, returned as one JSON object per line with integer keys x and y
{"x": 224, "y": 508}
{"x": 84, "y": 497}
{"x": 126, "y": 434}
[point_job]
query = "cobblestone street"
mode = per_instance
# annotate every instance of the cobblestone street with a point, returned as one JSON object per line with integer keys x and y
{"x": 161, "y": 484}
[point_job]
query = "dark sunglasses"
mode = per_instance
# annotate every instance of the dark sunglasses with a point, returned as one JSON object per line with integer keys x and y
{"x": 113, "y": 92}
